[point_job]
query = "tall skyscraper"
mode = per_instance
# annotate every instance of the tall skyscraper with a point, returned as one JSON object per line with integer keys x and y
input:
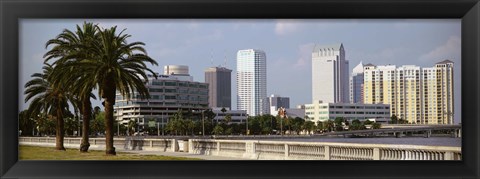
{"x": 356, "y": 84}
{"x": 251, "y": 80}
{"x": 220, "y": 85}
{"x": 330, "y": 74}
{"x": 273, "y": 102}
{"x": 420, "y": 96}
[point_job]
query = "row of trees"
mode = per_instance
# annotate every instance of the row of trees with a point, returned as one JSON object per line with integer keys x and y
{"x": 395, "y": 120}
{"x": 341, "y": 124}
{"x": 44, "y": 125}
{"x": 79, "y": 62}
{"x": 264, "y": 124}
{"x": 183, "y": 124}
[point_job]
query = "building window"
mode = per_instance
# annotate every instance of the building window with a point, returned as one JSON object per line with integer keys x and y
{"x": 170, "y": 83}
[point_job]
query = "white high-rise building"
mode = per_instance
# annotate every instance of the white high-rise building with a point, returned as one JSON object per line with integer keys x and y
{"x": 330, "y": 74}
{"x": 251, "y": 80}
{"x": 356, "y": 84}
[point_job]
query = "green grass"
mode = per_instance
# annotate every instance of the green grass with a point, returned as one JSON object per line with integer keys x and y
{"x": 49, "y": 153}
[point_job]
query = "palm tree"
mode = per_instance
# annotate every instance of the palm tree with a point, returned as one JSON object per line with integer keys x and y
{"x": 218, "y": 130}
{"x": 101, "y": 58}
{"x": 132, "y": 126}
{"x": 308, "y": 126}
{"x": 189, "y": 125}
{"x": 51, "y": 100}
{"x": 96, "y": 111}
{"x": 329, "y": 124}
{"x": 75, "y": 63}
{"x": 228, "y": 119}
{"x": 119, "y": 66}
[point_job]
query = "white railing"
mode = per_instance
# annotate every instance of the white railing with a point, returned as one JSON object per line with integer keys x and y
{"x": 282, "y": 150}
{"x": 268, "y": 150}
{"x": 129, "y": 143}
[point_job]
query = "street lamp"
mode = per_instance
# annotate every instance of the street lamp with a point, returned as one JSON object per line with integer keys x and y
{"x": 271, "y": 124}
{"x": 281, "y": 126}
{"x": 118, "y": 127}
{"x": 79, "y": 126}
{"x": 246, "y": 132}
{"x": 282, "y": 113}
{"x": 33, "y": 127}
{"x": 38, "y": 127}
{"x": 158, "y": 128}
{"x": 203, "y": 123}
{"x": 163, "y": 128}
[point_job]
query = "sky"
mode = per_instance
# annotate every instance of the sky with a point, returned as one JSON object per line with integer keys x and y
{"x": 288, "y": 44}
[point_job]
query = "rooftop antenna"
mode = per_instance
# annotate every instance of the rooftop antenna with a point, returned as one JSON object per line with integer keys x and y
{"x": 225, "y": 60}
{"x": 211, "y": 57}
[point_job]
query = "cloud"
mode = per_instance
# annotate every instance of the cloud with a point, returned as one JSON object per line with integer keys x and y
{"x": 193, "y": 25}
{"x": 385, "y": 56}
{"x": 164, "y": 52}
{"x": 305, "y": 55}
{"x": 389, "y": 53}
{"x": 245, "y": 24}
{"x": 216, "y": 35}
{"x": 450, "y": 50}
{"x": 285, "y": 27}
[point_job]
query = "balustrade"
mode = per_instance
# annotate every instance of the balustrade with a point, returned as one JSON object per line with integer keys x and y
{"x": 283, "y": 150}
{"x": 351, "y": 153}
{"x": 151, "y": 144}
{"x": 232, "y": 146}
{"x": 324, "y": 151}
{"x": 307, "y": 152}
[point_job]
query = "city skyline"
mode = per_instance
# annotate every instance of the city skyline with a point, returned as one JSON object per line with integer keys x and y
{"x": 288, "y": 44}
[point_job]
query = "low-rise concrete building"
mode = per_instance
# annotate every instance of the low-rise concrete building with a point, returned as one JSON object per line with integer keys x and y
{"x": 292, "y": 112}
{"x": 273, "y": 102}
{"x": 319, "y": 111}
{"x": 238, "y": 116}
{"x": 168, "y": 94}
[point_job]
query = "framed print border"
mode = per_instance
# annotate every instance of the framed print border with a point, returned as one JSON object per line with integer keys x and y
{"x": 14, "y": 10}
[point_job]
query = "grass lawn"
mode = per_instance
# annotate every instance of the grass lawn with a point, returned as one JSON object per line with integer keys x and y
{"x": 49, "y": 153}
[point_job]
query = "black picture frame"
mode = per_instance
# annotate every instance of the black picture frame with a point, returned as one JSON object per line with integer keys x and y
{"x": 13, "y": 10}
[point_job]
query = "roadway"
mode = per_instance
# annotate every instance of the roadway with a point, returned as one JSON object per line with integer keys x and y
{"x": 400, "y": 129}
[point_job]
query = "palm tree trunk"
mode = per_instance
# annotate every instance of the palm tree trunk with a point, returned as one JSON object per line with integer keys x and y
{"x": 109, "y": 96}
{"x": 59, "y": 131}
{"x": 86, "y": 113}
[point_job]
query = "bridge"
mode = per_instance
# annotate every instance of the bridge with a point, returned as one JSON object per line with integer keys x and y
{"x": 400, "y": 130}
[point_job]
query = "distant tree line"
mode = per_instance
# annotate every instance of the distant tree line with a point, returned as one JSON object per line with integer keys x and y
{"x": 44, "y": 125}
{"x": 186, "y": 123}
